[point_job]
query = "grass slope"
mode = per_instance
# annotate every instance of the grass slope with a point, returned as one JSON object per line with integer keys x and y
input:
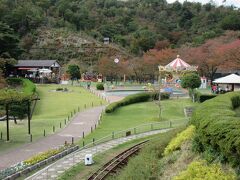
{"x": 52, "y": 109}
{"x": 136, "y": 114}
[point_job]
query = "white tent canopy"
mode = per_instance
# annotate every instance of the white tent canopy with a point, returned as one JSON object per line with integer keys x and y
{"x": 230, "y": 79}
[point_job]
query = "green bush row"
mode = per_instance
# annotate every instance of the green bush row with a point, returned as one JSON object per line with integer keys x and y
{"x": 199, "y": 97}
{"x": 14, "y": 81}
{"x": 218, "y": 128}
{"x": 235, "y": 101}
{"x": 100, "y": 86}
{"x": 135, "y": 98}
{"x": 182, "y": 137}
{"x": 29, "y": 87}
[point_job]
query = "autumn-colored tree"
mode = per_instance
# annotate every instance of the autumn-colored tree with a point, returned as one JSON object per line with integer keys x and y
{"x": 162, "y": 45}
{"x": 108, "y": 68}
{"x": 219, "y": 53}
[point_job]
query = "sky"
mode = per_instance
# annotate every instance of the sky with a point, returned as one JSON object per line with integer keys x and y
{"x": 218, "y": 2}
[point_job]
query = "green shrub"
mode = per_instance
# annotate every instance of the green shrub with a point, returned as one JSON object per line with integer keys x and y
{"x": 100, "y": 86}
{"x": 176, "y": 142}
{"x": 199, "y": 97}
{"x": 14, "y": 81}
{"x": 201, "y": 170}
{"x": 29, "y": 88}
{"x": 235, "y": 102}
{"x": 218, "y": 128}
{"x": 59, "y": 89}
{"x": 40, "y": 157}
{"x": 135, "y": 98}
{"x": 203, "y": 97}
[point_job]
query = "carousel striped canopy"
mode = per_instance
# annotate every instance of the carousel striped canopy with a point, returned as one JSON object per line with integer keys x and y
{"x": 177, "y": 64}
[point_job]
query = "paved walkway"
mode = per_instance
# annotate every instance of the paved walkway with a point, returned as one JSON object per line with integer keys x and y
{"x": 82, "y": 122}
{"x": 54, "y": 170}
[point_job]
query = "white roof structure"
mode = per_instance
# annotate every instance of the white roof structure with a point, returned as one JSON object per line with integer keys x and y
{"x": 177, "y": 64}
{"x": 230, "y": 79}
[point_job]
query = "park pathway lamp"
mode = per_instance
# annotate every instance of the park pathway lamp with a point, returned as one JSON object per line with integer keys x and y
{"x": 162, "y": 71}
{"x": 116, "y": 61}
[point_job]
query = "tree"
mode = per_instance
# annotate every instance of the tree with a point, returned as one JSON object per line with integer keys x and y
{"x": 8, "y": 41}
{"x": 6, "y": 65}
{"x": 191, "y": 81}
{"x": 108, "y": 68}
{"x": 74, "y": 72}
{"x": 231, "y": 22}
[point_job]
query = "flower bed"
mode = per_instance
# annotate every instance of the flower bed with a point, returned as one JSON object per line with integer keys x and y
{"x": 36, "y": 161}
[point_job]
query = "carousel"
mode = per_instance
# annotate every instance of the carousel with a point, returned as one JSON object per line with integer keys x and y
{"x": 170, "y": 74}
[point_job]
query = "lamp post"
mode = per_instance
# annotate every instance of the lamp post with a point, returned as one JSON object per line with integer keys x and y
{"x": 159, "y": 96}
{"x": 161, "y": 69}
{"x": 116, "y": 60}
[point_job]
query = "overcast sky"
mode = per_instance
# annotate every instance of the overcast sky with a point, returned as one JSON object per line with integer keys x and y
{"x": 218, "y": 2}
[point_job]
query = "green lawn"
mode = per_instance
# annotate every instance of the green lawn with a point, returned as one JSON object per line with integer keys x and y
{"x": 53, "y": 108}
{"x": 136, "y": 114}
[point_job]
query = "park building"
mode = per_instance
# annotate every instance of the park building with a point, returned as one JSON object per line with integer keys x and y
{"x": 39, "y": 71}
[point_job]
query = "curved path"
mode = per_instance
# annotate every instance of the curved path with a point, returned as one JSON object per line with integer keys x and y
{"x": 83, "y": 121}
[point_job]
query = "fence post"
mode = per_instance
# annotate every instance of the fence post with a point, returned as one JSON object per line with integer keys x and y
{"x": 83, "y": 135}
{"x": 85, "y": 106}
{"x": 91, "y": 129}
{"x": 44, "y": 133}
{"x": 83, "y": 144}
{"x": 1, "y": 135}
{"x": 30, "y": 137}
{"x": 68, "y": 118}
{"x": 60, "y": 125}
{"x": 53, "y": 128}
{"x": 113, "y": 135}
{"x": 65, "y": 121}
{"x": 170, "y": 124}
{"x": 95, "y": 126}
{"x": 72, "y": 140}
{"x": 93, "y": 140}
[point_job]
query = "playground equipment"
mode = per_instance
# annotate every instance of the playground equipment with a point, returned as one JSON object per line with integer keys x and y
{"x": 173, "y": 71}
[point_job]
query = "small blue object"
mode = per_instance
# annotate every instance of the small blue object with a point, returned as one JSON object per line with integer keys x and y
{"x": 168, "y": 89}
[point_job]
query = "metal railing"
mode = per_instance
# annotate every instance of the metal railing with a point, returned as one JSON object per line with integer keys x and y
{"x": 144, "y": 128}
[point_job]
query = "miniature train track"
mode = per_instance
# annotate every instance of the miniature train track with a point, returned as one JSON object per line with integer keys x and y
{"x": 117, "y": 162}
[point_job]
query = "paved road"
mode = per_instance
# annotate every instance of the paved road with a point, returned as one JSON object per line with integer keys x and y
{"x": 83, "y": 121}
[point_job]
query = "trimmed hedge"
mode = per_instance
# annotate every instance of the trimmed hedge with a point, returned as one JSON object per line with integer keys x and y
{"x": 135, "y": 98}
{"x": 100, "y": 86}
{"x": 199, "y": 97}
{"x": 182, "y": 137}
{"x": 218, "y": 128}
{"x": 14, "y": 81}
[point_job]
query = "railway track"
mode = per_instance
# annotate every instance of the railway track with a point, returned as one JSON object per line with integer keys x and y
{"x": 117, "y": 162}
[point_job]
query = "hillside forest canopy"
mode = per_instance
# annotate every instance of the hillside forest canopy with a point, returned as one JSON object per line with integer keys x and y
{"x": 141, "y": 32}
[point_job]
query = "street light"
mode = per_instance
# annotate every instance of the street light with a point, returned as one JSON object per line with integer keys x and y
{"x": 161, "y": 70}
{"x": 116, "y": 60}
